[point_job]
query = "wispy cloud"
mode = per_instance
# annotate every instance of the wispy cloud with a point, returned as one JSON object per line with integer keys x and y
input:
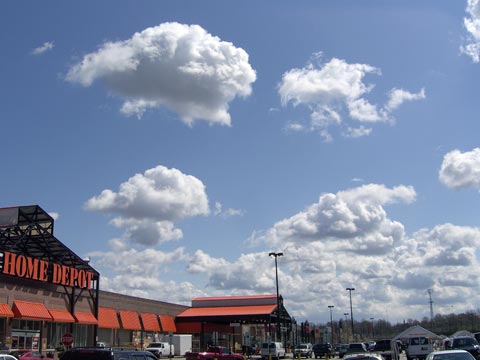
{"x": 44, "y": 48}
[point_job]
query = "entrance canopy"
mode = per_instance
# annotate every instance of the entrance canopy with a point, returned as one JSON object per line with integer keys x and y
{"x": 417, "y": 331}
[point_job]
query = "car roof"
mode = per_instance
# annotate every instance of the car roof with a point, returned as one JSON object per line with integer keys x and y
{"x": 448, "y": 352}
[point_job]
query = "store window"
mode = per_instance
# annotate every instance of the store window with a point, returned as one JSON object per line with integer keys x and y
{"x": 26, "y": 334}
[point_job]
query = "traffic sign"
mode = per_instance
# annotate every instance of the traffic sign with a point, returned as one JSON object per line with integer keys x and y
{"x": 67, "y": 339}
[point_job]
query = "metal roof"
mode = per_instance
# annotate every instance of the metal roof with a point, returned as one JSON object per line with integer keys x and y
{"x": 28, "y": 230}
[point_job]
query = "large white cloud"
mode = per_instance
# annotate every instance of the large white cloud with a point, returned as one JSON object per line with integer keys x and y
{"x": 352, "y": 220}
{"x": 472, "y": 24}
{"x": 336, "y": 88}
{"x": 149, "y": 204}
{"x": 461, "y": 170}
{"x": 345, "y": 239}
{"x": 181, "y": 67}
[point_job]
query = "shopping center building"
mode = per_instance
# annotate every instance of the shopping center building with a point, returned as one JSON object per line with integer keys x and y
{"x": 50, "y": 297}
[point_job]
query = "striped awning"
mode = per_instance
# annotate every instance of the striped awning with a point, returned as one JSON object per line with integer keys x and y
{"x": 150, "y": 322}
{"x": 130, "y": 320}
{"x": 85, "y": 318}
{"x": 5, "y": 311}
{"x": 61, "y": 316}
{"x": 30, "y": 310}
{"x": 107, "y": 318}
{"x": 168, "y": 324}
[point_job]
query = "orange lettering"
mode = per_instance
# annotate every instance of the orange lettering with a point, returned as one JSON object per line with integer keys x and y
{"x": 32, "y": 268}
{"x": 73, "y": 276}
{"x": 21, "y": 266}
{"x": 57, "y": 274}
{"x": 9, "y": 263}
{"x": 43, "y": 275}
{"x": 65, "y": 272}
{"x": 89, "y": 279}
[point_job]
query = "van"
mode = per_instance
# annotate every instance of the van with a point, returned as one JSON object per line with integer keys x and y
{"x": 418, "y": 348}
{"x": 273, "y": 349}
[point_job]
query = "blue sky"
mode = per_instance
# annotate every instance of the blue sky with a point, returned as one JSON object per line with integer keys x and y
{"x": 178, "y": 142}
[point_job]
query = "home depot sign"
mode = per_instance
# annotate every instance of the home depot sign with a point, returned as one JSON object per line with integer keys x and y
{"x": 30, "y": 268}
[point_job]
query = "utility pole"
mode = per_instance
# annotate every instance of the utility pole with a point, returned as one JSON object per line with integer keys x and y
{"x": 431, "y": 308}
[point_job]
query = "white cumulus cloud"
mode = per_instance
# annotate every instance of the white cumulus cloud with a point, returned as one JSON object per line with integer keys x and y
{"x": 177, "y": 66}
{"x": 353, "y": 220}
{"x": 472, "y": 25}
{"x": 149, "y": 204}
{"x": 335, "y": 91}
{"x": 461, "y": 170}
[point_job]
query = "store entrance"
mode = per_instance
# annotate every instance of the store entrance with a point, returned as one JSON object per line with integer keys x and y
{"x": 25, "y": 340}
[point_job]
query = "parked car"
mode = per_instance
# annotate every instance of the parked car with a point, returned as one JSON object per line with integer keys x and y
{"x": 33, "y": 355}
{"x": 467, "y": 343}
{"x": 363, "y": 356}
{"x": 7, "y": 357}
{"x": 384, "y": 348}
{"x": 96, "y": 353}
{"x": 418, "y": 348}
{"x": 450, "y": 355}
{"x": 342, "y": 350}
{"x": 303, "y": 350}
{"x": 355, "y": 348}
{"x": 160, "y": 349}
{"x": 213, "y": 352}
{"x": 274, "y": 349}
{"x": 322, "y": 350}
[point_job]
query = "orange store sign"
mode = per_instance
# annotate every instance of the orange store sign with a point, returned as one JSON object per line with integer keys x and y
{"x": 41, "y": 270}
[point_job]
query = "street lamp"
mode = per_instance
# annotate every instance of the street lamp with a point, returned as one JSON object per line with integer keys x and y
{"x": 346, "y": 328}
{"x": 350, "y": 289}
{"x": 373, "y": 328}
{"x": 331, "y": 321}
{"x": 275, "y": 255}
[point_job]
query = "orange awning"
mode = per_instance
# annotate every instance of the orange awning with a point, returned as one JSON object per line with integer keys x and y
{"x": 108, "y": 319}
{"x": 168, "y": 324}
{"x": 61, "y": 316}
{"x": 30, "y": 310}
{"x": 228, "y": 310}
{"x": 150, "y": 322}
{"x": 130, "y": 320}
{"x": 85, "y": 318}
{"x": 5, "y": 311}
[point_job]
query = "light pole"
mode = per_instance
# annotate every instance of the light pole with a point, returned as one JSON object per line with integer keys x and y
{"x": 346, "y": 327}
{"x": 350, "y": 289}
{"x": 373, "y": 329}
{"x": 275, "y": 255}
{"x": 331, "y": 321}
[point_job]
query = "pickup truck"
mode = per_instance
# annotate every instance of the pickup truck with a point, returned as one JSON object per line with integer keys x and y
{"x": 160, "y": 349}
{"x": 214, "y": 352}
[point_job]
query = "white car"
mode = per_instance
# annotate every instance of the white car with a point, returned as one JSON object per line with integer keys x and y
{"x": 450, "y": 355}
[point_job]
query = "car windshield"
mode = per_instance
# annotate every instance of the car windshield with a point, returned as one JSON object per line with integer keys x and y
{"x": 302, "y": 346}
{"x": 464, "y": 341}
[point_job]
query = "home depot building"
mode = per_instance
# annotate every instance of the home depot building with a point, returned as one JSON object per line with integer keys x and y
{"x": 48, "y": 293}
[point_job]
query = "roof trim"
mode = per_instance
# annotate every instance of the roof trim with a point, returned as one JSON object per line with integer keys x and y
{"x": 228, "y": 311}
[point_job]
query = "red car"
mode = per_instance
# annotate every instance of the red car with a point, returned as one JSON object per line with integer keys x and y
{"x": 33, "y": 355}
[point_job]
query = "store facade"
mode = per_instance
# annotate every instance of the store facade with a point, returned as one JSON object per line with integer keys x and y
{"x": 50, "y": 297}
{"x": 50, "y": 300}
